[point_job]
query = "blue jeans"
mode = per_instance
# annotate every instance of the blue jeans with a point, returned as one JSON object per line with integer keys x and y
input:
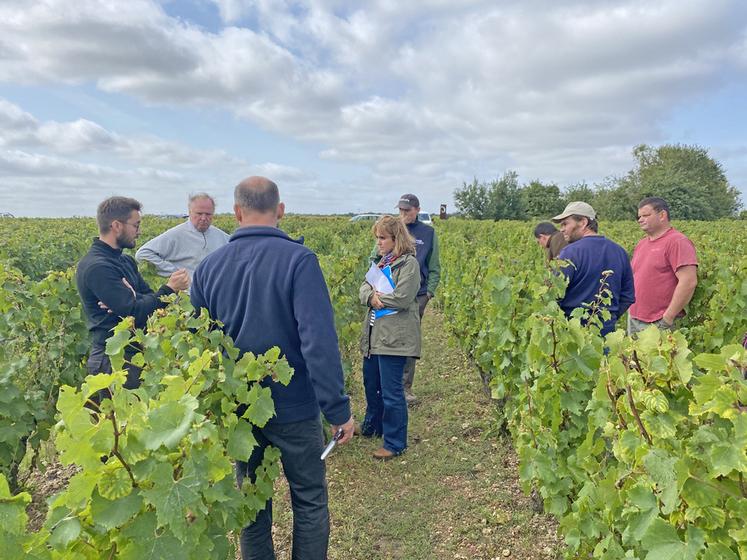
{"x": 386, "y": 408}
{"x": 301, "y": 445}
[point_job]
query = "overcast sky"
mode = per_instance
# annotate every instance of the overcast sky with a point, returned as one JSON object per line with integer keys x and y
{"x": 348, "y": 104}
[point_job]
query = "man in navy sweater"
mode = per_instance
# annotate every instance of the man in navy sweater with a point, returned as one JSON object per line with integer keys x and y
{"x": 426, "y": 245}
{"x": 592, "y": 254}
{"x": 268, "y": 290}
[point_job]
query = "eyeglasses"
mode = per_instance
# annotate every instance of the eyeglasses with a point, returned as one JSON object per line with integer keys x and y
{"x": 136, "y": 226}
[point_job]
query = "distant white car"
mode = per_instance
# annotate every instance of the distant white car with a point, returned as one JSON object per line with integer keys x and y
{"x": 425, "y": 217}
{"x": 365, "y": 217}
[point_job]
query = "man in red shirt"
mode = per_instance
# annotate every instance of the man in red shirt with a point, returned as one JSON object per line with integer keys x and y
{"x": 664, "y": 269}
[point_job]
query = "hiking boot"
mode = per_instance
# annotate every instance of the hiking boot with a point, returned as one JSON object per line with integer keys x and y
{"x": 383, "y": 454}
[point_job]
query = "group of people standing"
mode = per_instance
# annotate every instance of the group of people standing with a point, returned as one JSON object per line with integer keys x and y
{"x": 654, "y": 286}
{"x": 268, "y": 290}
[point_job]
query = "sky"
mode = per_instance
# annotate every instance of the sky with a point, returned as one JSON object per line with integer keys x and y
{"x": 347, "y": 104}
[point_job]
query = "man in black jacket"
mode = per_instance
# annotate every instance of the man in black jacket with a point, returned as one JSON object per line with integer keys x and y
{"x": 110, "y": 285}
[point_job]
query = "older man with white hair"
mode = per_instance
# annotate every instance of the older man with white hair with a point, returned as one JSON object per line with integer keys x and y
{"x": 185, "y": 245}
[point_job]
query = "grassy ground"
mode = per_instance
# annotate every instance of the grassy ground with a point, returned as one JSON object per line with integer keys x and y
{"x": 453, "y": 494}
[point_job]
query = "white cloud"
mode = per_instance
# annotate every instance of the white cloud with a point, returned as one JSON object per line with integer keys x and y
{"x": 430, "y": 92}
{"x": 52, "y": 157}
{"x": 82, "y": 137}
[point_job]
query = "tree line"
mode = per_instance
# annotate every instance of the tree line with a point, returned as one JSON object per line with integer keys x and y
{"x": 693, "y": 183}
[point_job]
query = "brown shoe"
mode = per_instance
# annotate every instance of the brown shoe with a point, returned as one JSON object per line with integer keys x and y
{"x": 383, "y": 454}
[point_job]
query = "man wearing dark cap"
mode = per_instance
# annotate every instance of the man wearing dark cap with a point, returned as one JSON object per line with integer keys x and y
{"x": 426, "y": 245}
{"x": 591, "y": 254}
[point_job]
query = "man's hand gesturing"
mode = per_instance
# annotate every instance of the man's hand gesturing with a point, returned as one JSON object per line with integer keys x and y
{"x": 178, "y": 280}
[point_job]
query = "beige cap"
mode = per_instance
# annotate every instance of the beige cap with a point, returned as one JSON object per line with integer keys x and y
{"x": 576, "y": 208}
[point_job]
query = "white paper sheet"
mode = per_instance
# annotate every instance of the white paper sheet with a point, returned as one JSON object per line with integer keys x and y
{"x": 378, "y": 280}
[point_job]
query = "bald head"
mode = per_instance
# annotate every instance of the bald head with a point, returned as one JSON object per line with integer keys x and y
{"x": 257, "y": 194}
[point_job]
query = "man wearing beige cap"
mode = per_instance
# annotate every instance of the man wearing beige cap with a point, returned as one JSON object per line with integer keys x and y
{"x": 592, "y": 254}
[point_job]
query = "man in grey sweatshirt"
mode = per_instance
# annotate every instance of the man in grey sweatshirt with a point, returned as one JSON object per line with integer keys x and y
{"x": 185, "y": 245}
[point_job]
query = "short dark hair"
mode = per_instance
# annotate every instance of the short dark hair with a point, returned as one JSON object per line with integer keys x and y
{"x": 593, "y": 225}
{"x": 658, "y": 204}
{"x": 115, "y": 208}
{"x": 258, "y": 194}
{"x": 544, "y": 228}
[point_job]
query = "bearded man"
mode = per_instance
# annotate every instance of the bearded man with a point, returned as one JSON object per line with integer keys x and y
{"x": 110, "y": 285}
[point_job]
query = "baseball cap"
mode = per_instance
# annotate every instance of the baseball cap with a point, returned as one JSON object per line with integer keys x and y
{"x": 407, "y": 201}
{"x": 576, "y": 208}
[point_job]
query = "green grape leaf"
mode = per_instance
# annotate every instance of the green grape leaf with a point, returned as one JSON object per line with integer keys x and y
{"x": 173, "y": 499}
{"x": 201, "y": 363}
{"x": 65, "y": 532}
{"x": 241, "y": 441}
{"x": 94, "y": 383}
{"x": 12, "y": 509}
{"x": 726, "y": 457}
{"x": 740, "y": 430}
{"x": 639, "y": 522}
{"x": 114, "y": 482}
{"x": 717, "y": 551}
{"x": 655, "y": 401}
{"x": 661, "y": 468}
{"x": 699, "y": 494}
{"x": 282, "y": 372}
{"x": 261, "y": 408}
{"x": 114, "y": 513}
{"x": 143, "y": 541}
{"x": 684, "y": 367}
{"x": 661, "y": 426}
{"x": 79, "y": 489}
{"x": 272, "y": 355}
{"x": 116, "y": 344}
{"x": 708, "y": 517}
{"x": 663, "y": 543}
{"x": 711, "y": 362}
{"x": 169, "y": 423}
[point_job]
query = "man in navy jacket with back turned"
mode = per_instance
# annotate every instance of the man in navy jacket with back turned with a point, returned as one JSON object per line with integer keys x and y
{"x": 268, "y": 290}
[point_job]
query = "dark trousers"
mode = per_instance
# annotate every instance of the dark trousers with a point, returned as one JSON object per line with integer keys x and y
{"x": 409, "y": 374}
{"x": 301, "y": 445}
{"x": 386, "y": 407}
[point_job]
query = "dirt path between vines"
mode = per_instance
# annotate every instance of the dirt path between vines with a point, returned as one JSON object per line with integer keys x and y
{"x": 454, "y": 494}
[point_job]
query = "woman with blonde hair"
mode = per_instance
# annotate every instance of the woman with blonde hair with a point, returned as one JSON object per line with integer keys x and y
{"x": 391, "y": 334}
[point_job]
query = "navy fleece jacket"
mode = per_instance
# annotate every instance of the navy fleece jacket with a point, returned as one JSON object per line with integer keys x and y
{"x": 268, "y": 290}
{"x": 591, "y": 255}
